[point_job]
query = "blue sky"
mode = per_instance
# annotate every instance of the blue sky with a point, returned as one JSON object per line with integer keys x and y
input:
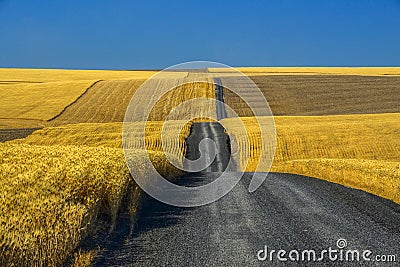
{"x": 156, "y": 34}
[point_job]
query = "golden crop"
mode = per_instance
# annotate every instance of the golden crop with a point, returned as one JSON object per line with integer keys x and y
{"x": 10, "y": 75}
{"x": 107, "y": 101}
{"x": 194, "y": 87}
{"x": 110, "y": 135}
{"x": 74, "y": 182}
{"x": 57, "y": 181}
{"x": 39, "y": 101}
{"x": 301, "y": 140}
{"x": 379, "y": 177}
{"x": 368, "y": 71}
{"x": 31, "y": 97}
{"x": 52, "y": 195}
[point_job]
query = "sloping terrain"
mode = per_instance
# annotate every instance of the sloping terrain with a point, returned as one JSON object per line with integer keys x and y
{"x": 31, "y": 97}
{"x": 106, "y": 101}
{"x": 354, "y": 150}
{"x": 298, "y": 95}
{"x": 367, "y": 71}
{"x": 41, "y": 100}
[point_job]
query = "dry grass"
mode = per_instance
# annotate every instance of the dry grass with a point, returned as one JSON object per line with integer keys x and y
{"x": 52, "y": 195}
{"x": 371, "y": 137}
{"x": 84, "y": 258}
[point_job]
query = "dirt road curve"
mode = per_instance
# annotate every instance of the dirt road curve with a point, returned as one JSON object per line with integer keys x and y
{"x": 286, "y": 212}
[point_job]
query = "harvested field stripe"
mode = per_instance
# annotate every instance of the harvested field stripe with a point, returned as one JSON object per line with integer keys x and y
{"x": 72, "y": 103}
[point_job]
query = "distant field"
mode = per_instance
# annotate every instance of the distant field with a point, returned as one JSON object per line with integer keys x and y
{"x": 35, "y": 96}
{"x": 193, "y": 87}
{"x": 298, "y": 95}
{"x": 11, "y": 76}
{"x": 368, "y": 71}
{"x": 107, "y": 101}
{"x": 39, "y": 101}
{"x": 301, "y": 140}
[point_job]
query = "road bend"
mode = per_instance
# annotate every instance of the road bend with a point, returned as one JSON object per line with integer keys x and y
{"x": 287, "y": 212}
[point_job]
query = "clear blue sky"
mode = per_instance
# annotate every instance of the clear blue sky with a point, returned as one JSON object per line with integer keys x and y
{"x": 156, "y": 34}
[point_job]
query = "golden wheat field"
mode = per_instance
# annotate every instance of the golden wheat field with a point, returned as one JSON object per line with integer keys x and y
{"x": 367, "y": 71}
{"x": 74, "y": 172}
{"x": 33, "y": 97}
{"x": 303, "y": 142}
{"x": 52, "y": 195}
{"x": 67, "y": 175}
{"x": 159, "y": 104}
{"x": 56, "y": 182}
{"x": 107, "y": 101}
{"x": 10, "y": 75}
{"x": 39, "y": 101}
{"x": 299, "y": 139}
{"x": 110, "y": 135}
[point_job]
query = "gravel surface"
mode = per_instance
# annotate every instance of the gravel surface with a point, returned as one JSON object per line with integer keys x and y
{"x": 286, "y": 212}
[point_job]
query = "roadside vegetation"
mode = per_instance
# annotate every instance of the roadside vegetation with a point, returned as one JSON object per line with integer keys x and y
{"x": 360, "y": 151}
{"x": 52, "y": 197}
